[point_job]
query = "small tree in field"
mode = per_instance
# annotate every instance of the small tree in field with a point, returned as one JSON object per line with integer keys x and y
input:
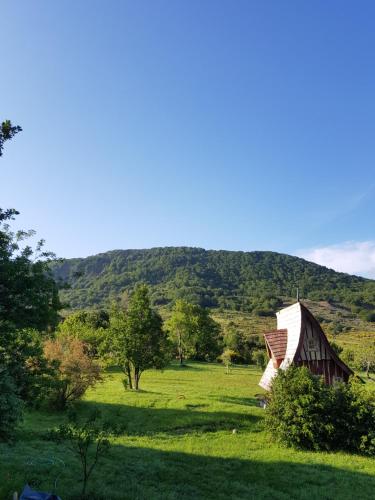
{"x": 137, "y": 337}
{"x": 227, "y": 359}
{"x": 89, "y": 442}
{"x": 181, "y": 326}
{"x": 76, "y": 371}
{"x": 260, "y": 358}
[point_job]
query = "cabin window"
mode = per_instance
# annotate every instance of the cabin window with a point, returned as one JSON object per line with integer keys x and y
{"x": 311, "y": 344}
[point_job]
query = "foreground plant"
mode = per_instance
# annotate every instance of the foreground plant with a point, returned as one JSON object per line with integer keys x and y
{"x": 89, "y": 442}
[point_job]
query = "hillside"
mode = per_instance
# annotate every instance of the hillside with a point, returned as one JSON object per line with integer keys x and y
{"x": 250, "y": 282}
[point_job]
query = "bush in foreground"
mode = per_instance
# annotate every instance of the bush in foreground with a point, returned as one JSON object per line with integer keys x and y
{"x": 305, "y": 413}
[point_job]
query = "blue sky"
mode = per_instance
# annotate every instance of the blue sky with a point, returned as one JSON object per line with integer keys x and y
{"x": 222, "y": 124}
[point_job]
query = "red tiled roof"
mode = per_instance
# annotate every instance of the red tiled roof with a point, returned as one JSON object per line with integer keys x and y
{"x": 277, "y": 341}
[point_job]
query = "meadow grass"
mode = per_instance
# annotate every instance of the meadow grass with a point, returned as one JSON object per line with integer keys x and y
{"x": 179, "y": 443}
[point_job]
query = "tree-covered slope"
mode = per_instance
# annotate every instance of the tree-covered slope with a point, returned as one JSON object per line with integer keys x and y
{"x": 247, "y": 281}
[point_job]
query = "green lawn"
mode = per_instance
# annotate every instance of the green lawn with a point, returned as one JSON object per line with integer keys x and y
{"x": 179, "y": 444}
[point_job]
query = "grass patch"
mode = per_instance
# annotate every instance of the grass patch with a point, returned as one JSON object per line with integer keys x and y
{"x": 179, "y": 443}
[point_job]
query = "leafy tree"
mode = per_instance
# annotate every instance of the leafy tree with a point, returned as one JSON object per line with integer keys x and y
{"x": 88, "y": 441}
{"x": 28, "y": 293}
{"x": 89, "y": 327}
{"x": 76, "y": 371}
{"x": 207, "y": 335}
{"x": 28, "y": 300}
{"x": 7, "y": 132}
{"x": 181, "y": 327}
{"x": 227, "y": 357}
{"x": 138, "y": 339}
{"x": 194, "y": 332}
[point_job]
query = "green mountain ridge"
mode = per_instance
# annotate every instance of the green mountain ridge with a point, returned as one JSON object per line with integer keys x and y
{"x": 254, "y": 282}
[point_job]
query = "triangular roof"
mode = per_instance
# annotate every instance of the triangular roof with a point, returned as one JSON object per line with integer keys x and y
{"x": 306, "y": 315}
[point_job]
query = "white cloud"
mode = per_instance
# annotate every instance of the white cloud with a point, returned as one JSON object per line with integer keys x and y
{"x": 353, "y": 257}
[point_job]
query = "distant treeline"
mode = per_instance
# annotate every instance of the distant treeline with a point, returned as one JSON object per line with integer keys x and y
{"x": 243, "y": 281}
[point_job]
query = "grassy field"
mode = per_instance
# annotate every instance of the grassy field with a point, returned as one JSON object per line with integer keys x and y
{"x": 179, "y": 443}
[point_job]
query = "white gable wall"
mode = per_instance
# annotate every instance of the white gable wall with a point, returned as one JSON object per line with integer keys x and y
{"x": 291, "y": 319}
{"x": 268, "y": 374}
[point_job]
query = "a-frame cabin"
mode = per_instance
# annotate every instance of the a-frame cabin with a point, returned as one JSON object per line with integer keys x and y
{"x": 300, "y": 340}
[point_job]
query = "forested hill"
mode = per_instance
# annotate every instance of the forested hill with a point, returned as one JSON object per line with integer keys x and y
{"x": 247, "y": 281}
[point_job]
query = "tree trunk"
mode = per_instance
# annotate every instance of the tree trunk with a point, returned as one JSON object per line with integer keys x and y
{"x": 129, "y": 375}
{"x": 180, "y": 349}
{"x": 137, "y": 376}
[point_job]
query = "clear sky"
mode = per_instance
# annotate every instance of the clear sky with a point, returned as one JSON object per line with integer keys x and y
{"x": 241, "y": 125}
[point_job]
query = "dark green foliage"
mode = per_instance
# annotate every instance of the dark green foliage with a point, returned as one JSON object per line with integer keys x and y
{"x": 28, "y": 301}
{"x": 88, "y": 441}
{"x": 136, "y": 337}
{"x": 10, "y": 405}
{"x": 207, "y": 336}
{"x": 306, "y": 413}
{"x": 195, "y": 334}
{"x": 28, "y": 293}
{"x": 244, "y": 346}
{"x": 21, "y": 351}
{"x": 7, "y": 132}
{"x": 247, "y": 281}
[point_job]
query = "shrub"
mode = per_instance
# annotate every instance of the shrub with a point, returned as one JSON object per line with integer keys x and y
{"x": 228, "y": 357}
{"x": 88, "y": 441}
{"x": 306, "y": 413}
{"x": 76, "y": 371}
{"x": 260, "y": 358}
{"x": 10, "y": 406}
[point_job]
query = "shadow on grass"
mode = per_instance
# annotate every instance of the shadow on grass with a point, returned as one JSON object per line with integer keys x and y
{"x": 133, "y": 472}
{"x": 183, "y": 475}
{"x": 147, "y": 473}
{"x": 140, "y": 421}
{"x": 188, "y": 366}
{"x": 238, "y": 400}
